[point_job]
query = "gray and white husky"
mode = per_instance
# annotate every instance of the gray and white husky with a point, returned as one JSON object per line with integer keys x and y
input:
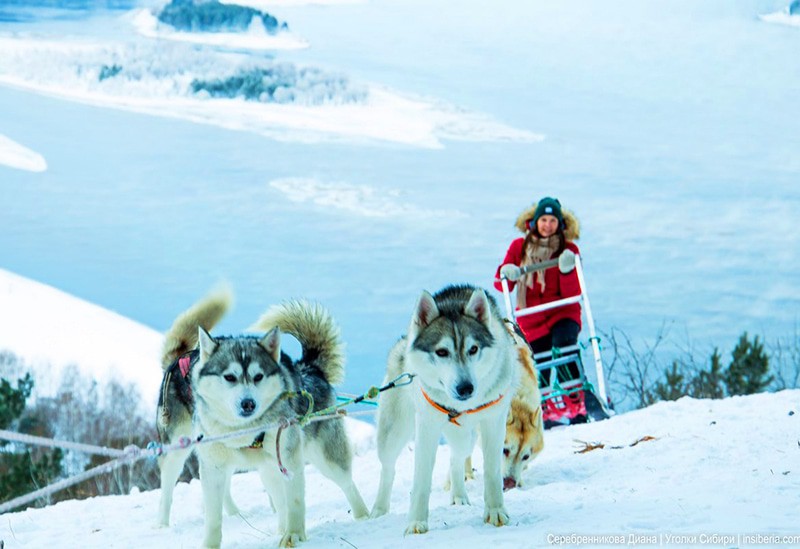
{"x": 214, "y": 386}
{"x": 465, "y": 364}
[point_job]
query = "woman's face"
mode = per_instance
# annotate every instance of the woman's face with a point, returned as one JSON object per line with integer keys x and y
{"x": 547, "y": 225}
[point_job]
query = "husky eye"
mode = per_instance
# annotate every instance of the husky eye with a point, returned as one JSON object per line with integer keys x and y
{"x": 230, "y": 378}
{"x": 258, "y": 377}
{"x": 442, "y": 353}
{"x": 506, "y": 452}
{"x": 473, "y": 350}
{"x": 526, "y": 457}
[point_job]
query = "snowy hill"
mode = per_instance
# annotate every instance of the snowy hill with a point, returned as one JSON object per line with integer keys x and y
{"x": 50, "y": 329}
{"x": 716, "y": 473}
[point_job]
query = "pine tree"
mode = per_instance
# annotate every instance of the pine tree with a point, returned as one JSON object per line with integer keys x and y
{"x": 749, "y": 368}
{"x": 21, "y": 470}
{"x": 708, "y": 383}
{"x": 673, "y": 387}
{"x": 12, "y": 401}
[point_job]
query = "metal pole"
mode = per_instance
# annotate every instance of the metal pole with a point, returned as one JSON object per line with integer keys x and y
{"x": 507, "y": 298}
{"x": 598, "y": 361}
{"x": 547, "y": 306}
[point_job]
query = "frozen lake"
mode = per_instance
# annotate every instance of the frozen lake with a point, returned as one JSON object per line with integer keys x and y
{"x": 674, "y": 137}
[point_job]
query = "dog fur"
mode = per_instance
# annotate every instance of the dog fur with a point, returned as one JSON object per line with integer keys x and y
{"x": 524, "y": 425}
{"x": 244, "y": 382}
{"x": 466, "y": 361}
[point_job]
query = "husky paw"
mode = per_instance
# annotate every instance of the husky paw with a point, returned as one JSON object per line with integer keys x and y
{"x": 292, "y": 539}
{"x": 496, "y": 516}
{"x": 378, "y": 511}
{"x": 417, "y": 527}
{"x": 361, "y": 514}
{"x": 459, "y": 500}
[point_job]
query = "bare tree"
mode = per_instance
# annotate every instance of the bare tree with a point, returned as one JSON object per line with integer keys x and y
{"x": 633, "y": 369}
{"x": 785, "y": 358}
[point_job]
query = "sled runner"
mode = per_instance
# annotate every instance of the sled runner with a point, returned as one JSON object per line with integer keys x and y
{"x": 567, "y": 394}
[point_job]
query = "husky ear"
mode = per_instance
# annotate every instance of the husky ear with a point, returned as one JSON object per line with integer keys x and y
{"x": 426, "y": 310}
{"x": 271, "y": 342}
{"x": 207, "y": 343}
{"x": 478, "y": 306}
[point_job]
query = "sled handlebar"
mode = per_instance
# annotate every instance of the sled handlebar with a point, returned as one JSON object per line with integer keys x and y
{"x": 539, "y": 266}
{"x": 536, "y": 267}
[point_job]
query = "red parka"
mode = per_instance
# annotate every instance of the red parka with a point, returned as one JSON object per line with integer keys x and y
{"x": 557, "y": 285}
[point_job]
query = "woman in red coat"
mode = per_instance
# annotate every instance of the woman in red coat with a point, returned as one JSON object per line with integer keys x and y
{"x": 549, "y": 233}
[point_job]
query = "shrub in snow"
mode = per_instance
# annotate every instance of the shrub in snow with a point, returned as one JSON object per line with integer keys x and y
{"x": 794, "y": 8}
{"x": 213, "y": 16}
{"x": 752, "y": 369}
{"x": 109, "y": 72}
{"x": 283, "y": 83}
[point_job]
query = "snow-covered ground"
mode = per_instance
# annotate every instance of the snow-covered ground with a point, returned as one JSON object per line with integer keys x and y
{"x": 715, "y": 473}
{"x": 49, "y": 329}
{"x": 708, "y": 471}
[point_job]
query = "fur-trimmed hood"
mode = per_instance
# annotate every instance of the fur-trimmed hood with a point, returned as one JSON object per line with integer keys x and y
{"x": 572, "y": 230}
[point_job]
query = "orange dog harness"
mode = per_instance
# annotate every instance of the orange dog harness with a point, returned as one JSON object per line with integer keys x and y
{"x": 454, "y": 415}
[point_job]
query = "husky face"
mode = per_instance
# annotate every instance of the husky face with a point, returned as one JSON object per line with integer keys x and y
{"x": 522, "y": 444}
{"x": 239, "y": 378}
{"x": 451, "y": 344}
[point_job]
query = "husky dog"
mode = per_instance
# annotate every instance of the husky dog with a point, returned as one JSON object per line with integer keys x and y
{"x": 525, "y": 424}
{"x": 214, "y": 386}
{"x": 466, "y": 369}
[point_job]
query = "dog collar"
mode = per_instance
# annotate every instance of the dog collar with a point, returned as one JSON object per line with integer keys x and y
{"x": 453, "y": 415}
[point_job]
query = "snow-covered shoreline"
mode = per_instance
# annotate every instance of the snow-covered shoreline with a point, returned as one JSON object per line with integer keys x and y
{"x": 156, "y": 79}
{"x": 15, "y": 155}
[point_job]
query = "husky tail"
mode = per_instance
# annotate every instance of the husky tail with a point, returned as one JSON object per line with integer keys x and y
{"x": 315, "y": 329}
{"x": 182, "y": 336}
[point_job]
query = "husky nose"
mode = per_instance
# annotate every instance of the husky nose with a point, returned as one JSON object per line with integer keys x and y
{"x": 509, "y": 483}
{"x": 248, "y": 406}
{"x": 464, "y": 390}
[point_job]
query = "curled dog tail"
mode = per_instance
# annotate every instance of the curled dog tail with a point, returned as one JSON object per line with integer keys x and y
{"x": 182, "y": 336}
{"x": 315, "y": 329}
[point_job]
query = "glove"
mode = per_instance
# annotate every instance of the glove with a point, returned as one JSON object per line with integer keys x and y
{"x": 566, "y": 261}
{"x": 510, "y": 271}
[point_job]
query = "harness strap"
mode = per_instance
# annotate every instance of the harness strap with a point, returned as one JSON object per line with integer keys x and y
{"x": 453, "y": 415}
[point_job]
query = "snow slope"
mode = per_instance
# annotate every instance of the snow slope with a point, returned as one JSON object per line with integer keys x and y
{"x": 17, "y": 156}
{"x": 691, "y": 472}
{"x": 721, "y": 469}
{"x": 50, "y": 329}
{"x": 717, "y": 473}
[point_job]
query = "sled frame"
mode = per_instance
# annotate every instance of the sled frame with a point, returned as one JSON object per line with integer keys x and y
{"x": 582, "y": 298}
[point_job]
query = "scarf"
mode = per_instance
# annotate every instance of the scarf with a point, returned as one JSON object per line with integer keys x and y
{"x": 536, "y": 251}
